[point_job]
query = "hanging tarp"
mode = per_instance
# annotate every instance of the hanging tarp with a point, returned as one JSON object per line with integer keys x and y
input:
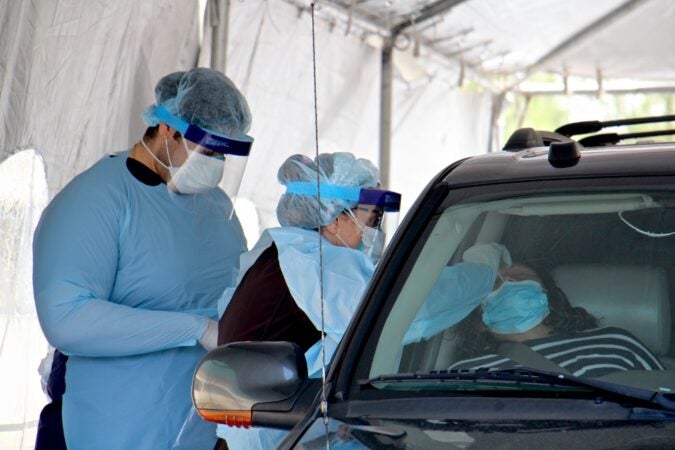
{"x": 75, "y": 73}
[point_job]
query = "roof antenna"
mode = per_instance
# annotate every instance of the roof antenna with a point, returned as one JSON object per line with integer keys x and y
{"x": 324, "y": 401}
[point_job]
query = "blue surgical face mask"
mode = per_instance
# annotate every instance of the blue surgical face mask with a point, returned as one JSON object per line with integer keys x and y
{"x": 516, "y": 307}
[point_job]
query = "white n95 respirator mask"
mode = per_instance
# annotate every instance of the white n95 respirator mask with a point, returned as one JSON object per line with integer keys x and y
{"x": 198, "y": 173}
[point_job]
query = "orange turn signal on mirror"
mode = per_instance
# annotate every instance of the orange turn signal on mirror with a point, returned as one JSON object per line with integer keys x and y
{"x": 230, "y": 418}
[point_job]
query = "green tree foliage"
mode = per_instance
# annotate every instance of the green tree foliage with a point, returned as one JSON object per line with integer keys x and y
{"x": 547, "y": 112}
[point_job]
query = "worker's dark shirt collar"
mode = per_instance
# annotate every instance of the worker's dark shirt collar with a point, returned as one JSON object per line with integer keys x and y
{"x": 142, "y": 173}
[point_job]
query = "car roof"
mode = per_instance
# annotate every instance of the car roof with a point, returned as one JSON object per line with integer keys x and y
{"x": 533, "y": 164}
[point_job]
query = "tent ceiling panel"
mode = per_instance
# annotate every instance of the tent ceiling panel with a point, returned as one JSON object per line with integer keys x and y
{"x": 637, "y": 45}
{"x": 509, "y": 39}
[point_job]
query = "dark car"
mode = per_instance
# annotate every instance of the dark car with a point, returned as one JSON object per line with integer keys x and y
{"x": 593, "y": 225}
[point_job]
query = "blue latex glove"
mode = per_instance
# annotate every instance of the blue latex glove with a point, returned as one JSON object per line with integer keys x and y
{"x": 493, "y": 254}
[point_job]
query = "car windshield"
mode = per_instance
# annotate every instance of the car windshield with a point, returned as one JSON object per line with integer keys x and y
{"x": 578, "y": 283}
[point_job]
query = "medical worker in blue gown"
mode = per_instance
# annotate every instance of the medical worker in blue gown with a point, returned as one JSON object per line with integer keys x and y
{"x": 130, "y": 259}
{"x": 278, "y": 293}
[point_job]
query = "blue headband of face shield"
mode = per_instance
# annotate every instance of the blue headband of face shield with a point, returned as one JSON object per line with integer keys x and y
{"x": 240, "y": 146}
{"x": 387, "y": 200}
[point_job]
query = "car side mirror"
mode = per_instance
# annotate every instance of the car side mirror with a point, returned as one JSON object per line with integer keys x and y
{"x": 232, "y": 380}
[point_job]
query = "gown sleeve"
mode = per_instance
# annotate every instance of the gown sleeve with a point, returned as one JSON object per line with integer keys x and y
{"x": 75, "y": 255}
{"x": 460, "y": 288}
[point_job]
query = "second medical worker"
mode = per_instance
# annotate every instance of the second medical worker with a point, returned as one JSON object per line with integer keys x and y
{"x": 326, "y": 248}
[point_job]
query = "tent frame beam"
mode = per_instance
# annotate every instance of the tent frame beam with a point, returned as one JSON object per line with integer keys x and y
{"x": 594, "y": 92}
{"x": 427, "y": 13}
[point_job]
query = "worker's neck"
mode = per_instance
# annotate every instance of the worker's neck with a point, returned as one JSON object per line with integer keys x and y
{"x": 142, "y": 155}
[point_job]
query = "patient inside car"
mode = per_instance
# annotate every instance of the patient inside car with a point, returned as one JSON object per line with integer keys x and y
{"x": 529, "y": 313}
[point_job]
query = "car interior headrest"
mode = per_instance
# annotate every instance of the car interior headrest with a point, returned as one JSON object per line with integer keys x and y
{"x": 631, "y": 297}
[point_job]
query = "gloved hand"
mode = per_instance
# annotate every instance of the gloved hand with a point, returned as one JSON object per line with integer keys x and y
{"x": 493, "y": 254}
{"x": 45, "y": 368}
{"x": 209, "y": 339}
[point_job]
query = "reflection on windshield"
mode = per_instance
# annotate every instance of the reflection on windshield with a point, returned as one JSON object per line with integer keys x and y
{"x": 334, "y": 435}
{"x": 578, "y": 284}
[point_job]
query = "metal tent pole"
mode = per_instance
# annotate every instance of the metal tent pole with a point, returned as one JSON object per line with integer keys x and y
{"x": 385, "y": 111}
{"x": 220, "y": 12}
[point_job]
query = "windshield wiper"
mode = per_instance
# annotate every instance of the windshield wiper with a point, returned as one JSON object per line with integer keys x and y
{"x": 520, "y": 375}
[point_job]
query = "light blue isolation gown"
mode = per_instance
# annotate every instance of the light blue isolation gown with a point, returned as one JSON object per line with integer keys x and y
{"x": 346, "y": 275}
{"x": 459, "y": 290}
{"x": 125, "y": 275}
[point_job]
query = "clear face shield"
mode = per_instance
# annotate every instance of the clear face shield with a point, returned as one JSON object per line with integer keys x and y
{"x": 377, "y": 215}
{"x": 212, "y": 159}
{"x": 385, "y": 206}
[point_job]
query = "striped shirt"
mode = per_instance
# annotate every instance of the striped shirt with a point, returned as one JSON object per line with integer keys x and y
{"x": 590, "y": 353}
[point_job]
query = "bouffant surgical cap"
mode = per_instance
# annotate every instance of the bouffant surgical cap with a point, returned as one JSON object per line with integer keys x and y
{"x": 340, "y": 170}
{"x": 167, "y": 87}
{"x": 202, "y": 97}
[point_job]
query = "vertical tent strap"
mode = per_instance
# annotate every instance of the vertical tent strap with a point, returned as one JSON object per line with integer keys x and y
{"x": 324, "y": 401}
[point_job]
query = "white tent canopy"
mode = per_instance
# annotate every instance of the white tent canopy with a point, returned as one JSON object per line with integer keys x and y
{"x": 509, "y": 39}
{"x": 75, "y": 76}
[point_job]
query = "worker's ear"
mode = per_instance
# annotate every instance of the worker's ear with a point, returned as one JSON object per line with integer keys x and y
{"x": 165, "y": 131}
{"x": 330, "y": 231}
{"x": 332, "y": 227}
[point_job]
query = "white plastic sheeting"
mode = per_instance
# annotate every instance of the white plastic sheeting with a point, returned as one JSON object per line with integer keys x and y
{"x": 75, "y": 76}
{"x": 23, "y": 195}
{"x": 74, "y": 73}
{"x": 270, "y": 58}
{"x": 424, "y": 143}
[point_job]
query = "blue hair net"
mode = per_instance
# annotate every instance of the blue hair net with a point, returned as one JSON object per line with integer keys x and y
{"x": 340, "y": 169}
{"x": 202, "y": 97}
{"x": 166, "y": 89}
{"x": 167, "y": 86}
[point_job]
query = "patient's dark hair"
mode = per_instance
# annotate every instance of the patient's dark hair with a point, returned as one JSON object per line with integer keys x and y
{"x": 565, "y": 318}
